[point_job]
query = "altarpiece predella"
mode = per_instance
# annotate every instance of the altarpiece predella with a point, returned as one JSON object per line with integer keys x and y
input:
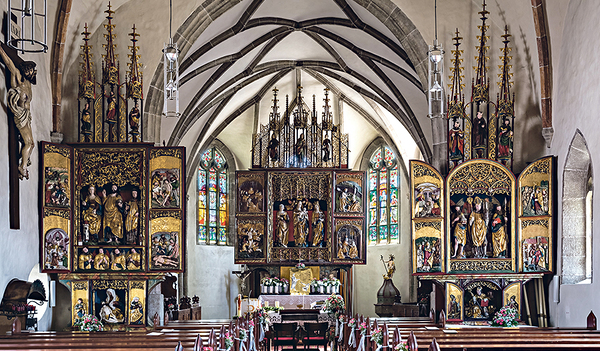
{"x": 481, "y": 230}
{"x": 113, "y": 209}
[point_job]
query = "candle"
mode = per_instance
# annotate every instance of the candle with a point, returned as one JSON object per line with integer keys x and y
{"x": 266, "y": 303}
{"x": 276, "y": 303}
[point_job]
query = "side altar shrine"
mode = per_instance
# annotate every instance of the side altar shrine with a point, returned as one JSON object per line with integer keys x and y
{"x": 300, "y": 216}
{"x": 113, "y": 211}
{"x": 481, "y": 231}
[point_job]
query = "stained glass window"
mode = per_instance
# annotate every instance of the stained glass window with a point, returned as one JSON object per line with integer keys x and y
{"x": 383, "y": 197}
{"x": 213, "y": 218}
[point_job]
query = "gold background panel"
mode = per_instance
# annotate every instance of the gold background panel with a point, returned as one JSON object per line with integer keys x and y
{"x": 427, "y": 179}
{"x": 452, "y": 289}
{"x": 137, "y": 289}
{"x": 531, "y": 231}
{"x": 427, "y": 231}
{"x": 52, "y": 222}
{"x": 166, "y": 224}
{"x": 512, "y": 290}
{"x": 165, "y": 162}
{"x": 79, "y": 290}
{"x": 311, "y": 273}
{"x": 52, "y": 159}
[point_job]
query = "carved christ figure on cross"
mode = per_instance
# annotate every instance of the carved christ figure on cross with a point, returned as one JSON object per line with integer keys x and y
{"x": 19, "y": 102}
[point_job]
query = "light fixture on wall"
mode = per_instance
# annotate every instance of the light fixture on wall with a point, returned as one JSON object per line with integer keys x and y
{"x": 436, "y": 76}
{"x": 21, "y": 34}
{"x": 171, "y": 73}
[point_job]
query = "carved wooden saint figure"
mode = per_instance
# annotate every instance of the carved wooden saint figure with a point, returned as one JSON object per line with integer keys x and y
{"x": 132, "y": 211}
{"x": 113, "y": 219}
{"x": 283, "y": 220}
{"x": 479, "y": 135}
{"x": 456, "y": 141}
{"x": 92, "y": 214}
{"x": 318, "y": 224}
{"x": 300, "y": 225}
{"x": 505, "y": 141}
{"x": 19, "y": 103}
{"x": 499, "y": 221}
{"x": 86, "y": 123}
{"x": 478, "y": 228}
{"x": 459, "y": 225}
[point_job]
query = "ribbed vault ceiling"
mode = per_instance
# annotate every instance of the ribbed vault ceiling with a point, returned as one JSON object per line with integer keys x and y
{"x": 261, "y": 44}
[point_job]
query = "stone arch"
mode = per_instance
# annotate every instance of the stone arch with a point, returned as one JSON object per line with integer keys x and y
{"x": 384, "y": 10}
{"x": 575, "y": 235}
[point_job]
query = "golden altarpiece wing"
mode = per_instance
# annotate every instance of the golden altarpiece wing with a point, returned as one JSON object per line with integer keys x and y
{"x": 481, "y": 231}
{"x": 300, "y": 203}
{"x": 113, "y": 209}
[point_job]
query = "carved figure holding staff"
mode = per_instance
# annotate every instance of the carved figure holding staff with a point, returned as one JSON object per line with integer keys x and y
{"x": 19, "y": 103}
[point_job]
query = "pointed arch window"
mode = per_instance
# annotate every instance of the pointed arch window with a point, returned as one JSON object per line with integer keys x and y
{"x": 213, "y": 192}
{"x": 383, "y": 197}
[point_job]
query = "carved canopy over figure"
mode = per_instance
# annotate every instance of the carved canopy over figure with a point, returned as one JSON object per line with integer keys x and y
{"x": 19, "y": 102}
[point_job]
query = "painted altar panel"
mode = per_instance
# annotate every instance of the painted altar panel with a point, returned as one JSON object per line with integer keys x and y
{"x": 535, "y": 222}
{"x": 299, "y": 217}
{"x": 454, "y": 302}
{"x": 427, "y": 203}
{"x": 137, "y": 307}
{"x": 251, "y": 240}
{"x": 250, "y": 192}
{"x": 167, "y": 211}
{"x": 56, "y": 214}
{"x": 80, "y": 299}
{"x": 480, "y": 231}
{"x": 511, "y": 296}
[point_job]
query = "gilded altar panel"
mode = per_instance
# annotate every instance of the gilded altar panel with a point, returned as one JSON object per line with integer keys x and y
{"x": 535, "y": 208}
{"x": 454, "y": 302}
{"x": 348, "y": 241}
{"x": 166, "y": 241}
{"x": 80, "y": 299}
{"x": 56, "y": 213}
{"x": 427, "y": 246}
{"x": 110, "y": 300}
{"x": 480, "y": 231}
{"x": 136, "y": 306}
{"x": 299, "y": 216}
{"x": 349, "y": 193}
{"x": 110, "y": 202}
{"x": 511, "y": 296}
{"x": 427, "y": 204}
{"x": 166, "y": 169}
{"x": 300, "y": 279}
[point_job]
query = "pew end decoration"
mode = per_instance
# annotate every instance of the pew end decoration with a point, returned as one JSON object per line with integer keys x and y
{"x": 334, "y": 304}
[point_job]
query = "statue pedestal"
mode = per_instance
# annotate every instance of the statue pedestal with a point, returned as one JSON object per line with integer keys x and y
{"x": 387, "y": 296}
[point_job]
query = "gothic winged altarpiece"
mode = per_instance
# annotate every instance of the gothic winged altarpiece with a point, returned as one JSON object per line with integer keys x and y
{"x": 481, "y": 230}
{"x": 300, "y": 203}
{"x": 113, "y": 215}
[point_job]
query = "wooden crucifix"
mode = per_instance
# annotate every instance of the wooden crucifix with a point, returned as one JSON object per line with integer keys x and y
{"x": 20, "y": 75}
